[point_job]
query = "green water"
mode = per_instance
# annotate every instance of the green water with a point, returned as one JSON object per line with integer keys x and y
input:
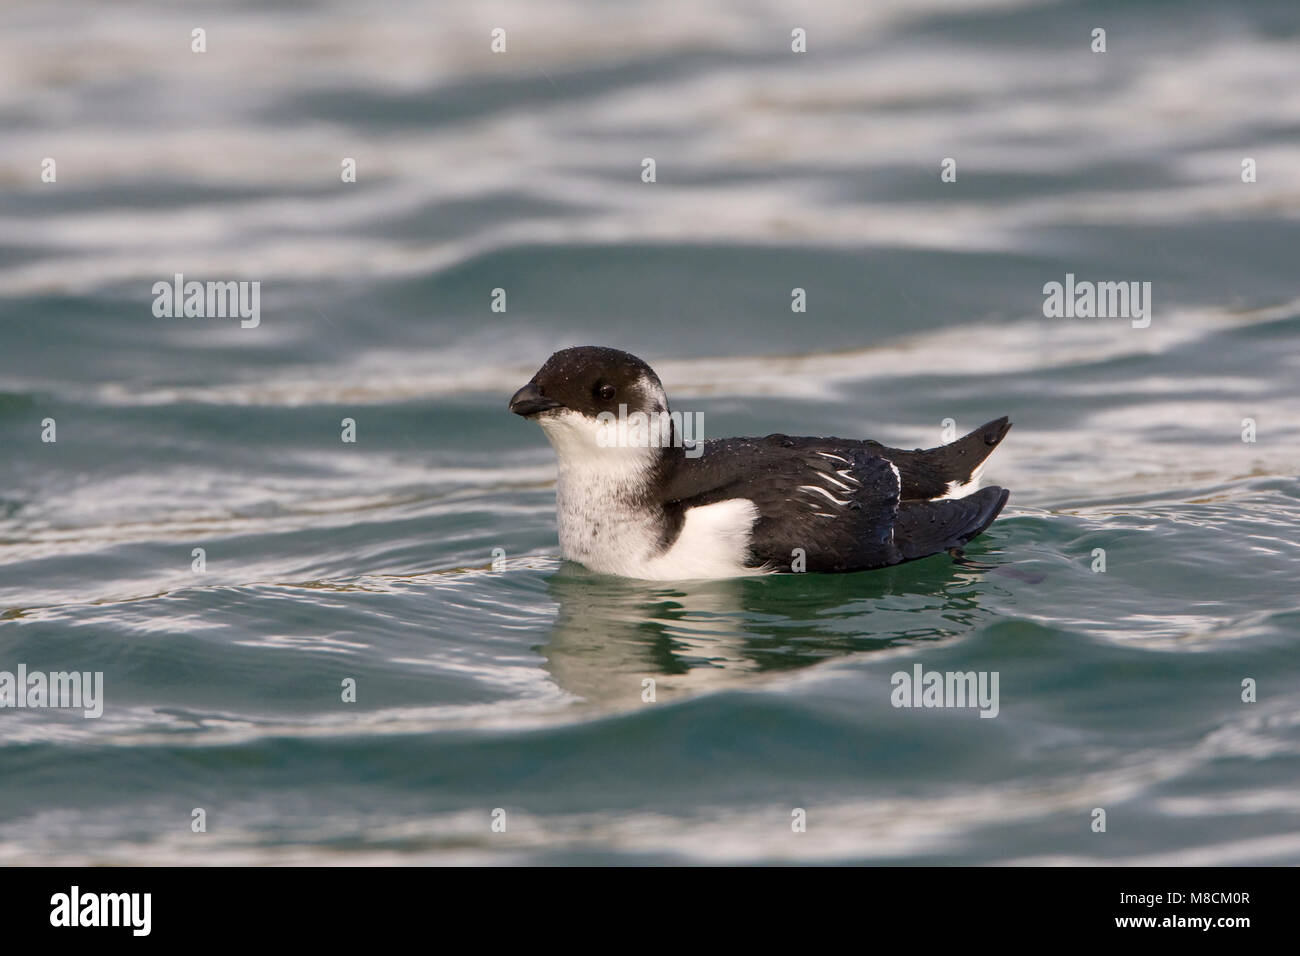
{"x": 420, "y": 561}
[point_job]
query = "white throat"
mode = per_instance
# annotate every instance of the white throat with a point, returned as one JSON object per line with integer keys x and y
{"x": 591, "y": 451}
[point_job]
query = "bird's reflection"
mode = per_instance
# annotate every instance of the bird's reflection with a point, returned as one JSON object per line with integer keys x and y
{"x": 612, "y": 634}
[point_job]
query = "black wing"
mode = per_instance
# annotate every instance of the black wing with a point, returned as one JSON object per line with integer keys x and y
{"x": 824, "y": 504}
{"x": 832, "y": 503}
{"x": 927, "y": 472}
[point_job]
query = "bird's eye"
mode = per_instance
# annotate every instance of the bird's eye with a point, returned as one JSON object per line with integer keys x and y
{"x": 606, "y": 392}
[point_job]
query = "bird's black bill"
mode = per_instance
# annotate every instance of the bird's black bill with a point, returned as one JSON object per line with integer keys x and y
{"x": 529, "y": 400}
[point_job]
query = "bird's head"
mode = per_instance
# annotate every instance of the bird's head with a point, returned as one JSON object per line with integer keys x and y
{"x": 598, "y": 405}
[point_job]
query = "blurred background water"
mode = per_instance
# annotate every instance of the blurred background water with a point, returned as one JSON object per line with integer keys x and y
{"x": 521, "y": 688}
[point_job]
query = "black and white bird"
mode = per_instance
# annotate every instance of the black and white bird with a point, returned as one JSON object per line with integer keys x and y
{"x": 641, "y": 507}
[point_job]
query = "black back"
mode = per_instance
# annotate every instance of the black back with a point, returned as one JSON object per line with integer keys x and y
{"x": 849, "y": 526}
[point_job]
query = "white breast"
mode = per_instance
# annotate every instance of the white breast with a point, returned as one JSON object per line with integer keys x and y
{"x": 602, "y": 524}
{"x": 713, "y": 541}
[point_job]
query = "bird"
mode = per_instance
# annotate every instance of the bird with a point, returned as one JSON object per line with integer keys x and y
{"x": 637, "y": 497}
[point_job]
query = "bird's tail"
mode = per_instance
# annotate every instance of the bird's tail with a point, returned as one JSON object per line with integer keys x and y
{"x": 922, "y": 528}
{"x": 928, "y": 473}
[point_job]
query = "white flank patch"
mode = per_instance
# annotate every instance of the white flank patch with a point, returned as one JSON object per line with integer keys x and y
{"x": 713, "y": 543}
